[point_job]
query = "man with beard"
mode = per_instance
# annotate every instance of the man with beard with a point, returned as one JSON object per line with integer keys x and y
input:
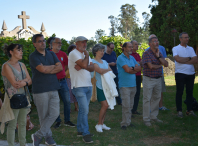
{"x": 64, "y": 90}
{"x": 44, "y": 65}
{"x": 80, "y": 66}
{"x": 127, "y": 68}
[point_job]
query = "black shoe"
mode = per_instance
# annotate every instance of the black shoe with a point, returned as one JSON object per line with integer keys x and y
{"x": 87, "y": 139}
{"x": 58, "y": 124}
{"x": 70, "y": 124}
{"x": 123, "y": 127}
{"x": 136, "y": 113}
{"x": 79, "y": 134}
{"x": 131, "y": 125}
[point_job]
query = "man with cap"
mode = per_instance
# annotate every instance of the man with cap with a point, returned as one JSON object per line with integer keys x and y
{"x": 80, "y": 66}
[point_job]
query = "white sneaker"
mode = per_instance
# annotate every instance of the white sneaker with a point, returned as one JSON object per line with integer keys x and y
{"x": 98, "y": 128}
{"x": 105, "y": 127}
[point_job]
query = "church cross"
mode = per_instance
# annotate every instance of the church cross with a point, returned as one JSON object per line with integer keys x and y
{"x": 24, "y": 17}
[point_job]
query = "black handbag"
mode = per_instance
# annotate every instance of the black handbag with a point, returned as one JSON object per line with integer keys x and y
{"x": 18, "y": 101}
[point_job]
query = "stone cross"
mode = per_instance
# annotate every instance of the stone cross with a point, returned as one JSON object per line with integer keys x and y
{"x": 24, "y": 17}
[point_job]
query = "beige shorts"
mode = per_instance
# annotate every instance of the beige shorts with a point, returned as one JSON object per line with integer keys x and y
{"x": 163, "y": 84}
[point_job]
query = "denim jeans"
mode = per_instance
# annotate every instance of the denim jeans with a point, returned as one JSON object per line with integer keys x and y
{"x": 181, "y": 80}
{"x": 65, "y": 96}
{"x": 83, "y": 96}
{"x": 137, "y": 94}
{"x": 118, "y": 99}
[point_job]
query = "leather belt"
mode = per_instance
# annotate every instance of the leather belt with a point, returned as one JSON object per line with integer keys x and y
{"x": 61, "y": 79}
{"x": 155, "y": 77}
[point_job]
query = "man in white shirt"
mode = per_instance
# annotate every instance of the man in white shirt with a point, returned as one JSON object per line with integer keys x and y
{"x": 80, "y": 66}
{"x": 185, "y": 57}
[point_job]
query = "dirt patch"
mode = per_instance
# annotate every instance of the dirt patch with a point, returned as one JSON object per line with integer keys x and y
{"x": 161, "y": 140}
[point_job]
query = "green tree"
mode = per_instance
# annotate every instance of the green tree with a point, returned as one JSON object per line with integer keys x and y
{"x": 113, "y": 29}
{"x": 72, "y": 41}
{"x": 127, "y": 21}
{"x": 99, "y": 33}
{"x": 90, "y": 43}
{"x": 174, "y": 14}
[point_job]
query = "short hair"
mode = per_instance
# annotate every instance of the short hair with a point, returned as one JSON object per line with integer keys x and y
{"x": 35, "y": 37}
{"x": 150, "y": 39}
{"x": 125, "y": 44}
{"x": 133, "y": 42}
{"x": 70, "y": 48}
{"x": 151, "y": 35}
{"x": 8, "y": 48}
{"x": 180, "y": 35}
{"x": 109, "y": 44}
{"x": 97, "y": 47}
{"x": 49, "y": 40}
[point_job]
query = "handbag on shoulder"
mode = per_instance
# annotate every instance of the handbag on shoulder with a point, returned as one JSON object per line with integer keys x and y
{"x": 18, "y": 101}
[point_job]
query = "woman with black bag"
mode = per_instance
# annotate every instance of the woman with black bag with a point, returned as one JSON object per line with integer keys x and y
{"x": 16, "y": 101}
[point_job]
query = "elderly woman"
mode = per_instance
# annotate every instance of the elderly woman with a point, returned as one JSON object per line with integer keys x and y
{"x": 101, "y": 67}
{"x": 15, "y": 78}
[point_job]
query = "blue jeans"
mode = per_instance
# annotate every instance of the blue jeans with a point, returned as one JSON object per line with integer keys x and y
{"x": 83, "y": 96}
{"x": 65, "y": 96}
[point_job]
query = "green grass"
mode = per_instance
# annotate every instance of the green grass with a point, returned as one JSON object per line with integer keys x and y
{"x": 173, "y": 132}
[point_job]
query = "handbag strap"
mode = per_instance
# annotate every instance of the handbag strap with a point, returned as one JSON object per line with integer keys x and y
{"x": 22, "y": 76}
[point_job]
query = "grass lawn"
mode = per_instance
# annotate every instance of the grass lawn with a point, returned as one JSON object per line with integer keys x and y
{"x": 173, "y": 132}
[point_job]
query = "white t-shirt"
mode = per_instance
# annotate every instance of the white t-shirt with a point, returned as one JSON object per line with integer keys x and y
{"x": 81, "y": 78}
{"x": 184, "y": 52}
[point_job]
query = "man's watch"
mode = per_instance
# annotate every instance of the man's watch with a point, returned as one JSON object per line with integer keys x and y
{"x": 159, "y": 57}
{"x": 26, "y": 83}
{"x": 132, "y": 68}
{"x": 190, "y": 58}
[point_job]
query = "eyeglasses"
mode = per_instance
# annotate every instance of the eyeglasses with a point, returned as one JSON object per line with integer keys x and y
{"x": 155, "y": 41}
{"x": 43, "y": 41}
{"x": 186, "y": 37}
{"x": 59, "y": 43}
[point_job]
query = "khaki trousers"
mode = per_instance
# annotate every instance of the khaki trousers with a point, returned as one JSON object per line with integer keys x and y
{"x": 127, "y": 95}
{"x": 151, "y": 97}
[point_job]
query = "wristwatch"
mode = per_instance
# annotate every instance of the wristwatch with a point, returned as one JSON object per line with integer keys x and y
{"x": 159, "y": 57}
{"x": 132, "y": 68}
{"x": 26, "y": 83}
{"x": 190, "y": 58}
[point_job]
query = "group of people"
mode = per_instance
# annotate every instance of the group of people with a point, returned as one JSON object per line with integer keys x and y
{"x": 54, "y": 75}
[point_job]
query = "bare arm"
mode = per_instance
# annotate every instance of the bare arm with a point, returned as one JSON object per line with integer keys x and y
{"x": 112, "y": 64}
{"x": 129, "y": 69}
{"x": 27, "y": 79}
{"x": 137, "y": 68}
{"x": 182, "y": 60}
{"x": 66, "y": 67}
{"x": 90, "y": 67}
{"x": 45, "y": 69}
{"x": 101, "y": 70}
{"x": 193, "y": 60}
{"x": 153, "y": 66}
{"x": 83, "y": 63}
{"x": 57, "y": 69}
{"x": 163, "y": 62}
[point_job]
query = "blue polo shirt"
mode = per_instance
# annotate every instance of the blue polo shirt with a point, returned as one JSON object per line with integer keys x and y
{"x": 126, "y": 79}
{"x": 163, "y": 51}
{"x": 111, "y": 58}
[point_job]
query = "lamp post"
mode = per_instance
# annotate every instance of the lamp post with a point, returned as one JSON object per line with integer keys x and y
{"x": 174, "y": 31}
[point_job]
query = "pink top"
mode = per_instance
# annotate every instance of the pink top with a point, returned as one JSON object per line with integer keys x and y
{"x": 137, "y": 58}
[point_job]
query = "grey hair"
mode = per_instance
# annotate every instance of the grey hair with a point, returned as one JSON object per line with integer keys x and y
{"x": 180, "y": 35}
{"x": 52, "y": 41}
{"x": 133, "y": 42}
{"x": 150, "y": 39}
{"x": 96, "y": 48}
{"x": 152, "y": 35}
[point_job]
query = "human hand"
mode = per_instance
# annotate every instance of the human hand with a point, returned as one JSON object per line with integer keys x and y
{"x": 86, "y": 53}
{"x": 112, "y": 64}
{"x": 157, "y": 52}
{"x": 77, "y": 67}
{"x": 20, "y": 84}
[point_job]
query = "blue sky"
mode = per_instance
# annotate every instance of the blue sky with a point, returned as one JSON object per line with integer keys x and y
{"x": 67, "y": 18}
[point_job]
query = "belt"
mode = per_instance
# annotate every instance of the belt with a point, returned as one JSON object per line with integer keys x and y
{"x": 61, "y": 79}
{"x": 155, "y": 77}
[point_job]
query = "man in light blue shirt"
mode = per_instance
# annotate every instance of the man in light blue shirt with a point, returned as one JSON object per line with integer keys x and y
{"x": 127, "y": 68}
{"x": 163, "y": 52}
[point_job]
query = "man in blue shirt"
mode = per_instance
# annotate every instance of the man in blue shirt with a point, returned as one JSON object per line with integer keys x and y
{"x": 127, "y": 68}
{"x": 111, "y": 58}
{"x": 163, "y": 51}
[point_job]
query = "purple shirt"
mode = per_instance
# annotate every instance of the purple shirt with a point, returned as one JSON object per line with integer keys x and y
{"x": 147, "y": 57}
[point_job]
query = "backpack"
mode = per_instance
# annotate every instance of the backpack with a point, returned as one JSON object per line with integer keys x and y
{"x": 194, "y": 104}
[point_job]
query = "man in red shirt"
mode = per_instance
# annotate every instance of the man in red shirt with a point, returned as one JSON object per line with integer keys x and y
{"x": 64, "y": 90}
{"x": 138, "y": 77}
